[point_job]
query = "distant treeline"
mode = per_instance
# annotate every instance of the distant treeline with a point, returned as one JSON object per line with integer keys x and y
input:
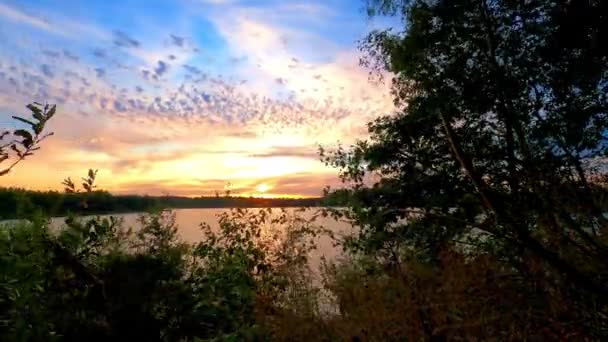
{"x": 15, "y": 203}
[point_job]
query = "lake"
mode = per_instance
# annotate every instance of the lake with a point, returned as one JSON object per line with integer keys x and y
{"x": 189, "y": 220}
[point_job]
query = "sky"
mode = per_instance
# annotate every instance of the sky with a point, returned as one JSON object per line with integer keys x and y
{"x": 188, "y": 97}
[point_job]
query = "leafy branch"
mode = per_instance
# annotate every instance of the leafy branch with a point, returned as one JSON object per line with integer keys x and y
{"x": 23, "y": 142}
{"x": 88, "y": 183}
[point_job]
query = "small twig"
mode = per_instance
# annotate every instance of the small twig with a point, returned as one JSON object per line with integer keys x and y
{"x": 8, "y": 144}
{"x": 33, "y": 147}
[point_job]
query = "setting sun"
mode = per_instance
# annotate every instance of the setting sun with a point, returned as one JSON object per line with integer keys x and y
{"x": 262, "y": 187}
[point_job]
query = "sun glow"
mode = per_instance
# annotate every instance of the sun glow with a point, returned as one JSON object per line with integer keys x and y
{"x": 262, "y": 188}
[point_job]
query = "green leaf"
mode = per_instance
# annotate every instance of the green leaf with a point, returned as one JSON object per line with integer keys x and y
{"x": 38, "y": 128}
{"x": 27, "y": 137}
{"x": 36, "y": 112}
{"x": 51, "y": 112}
{"x": 25, "y": 121}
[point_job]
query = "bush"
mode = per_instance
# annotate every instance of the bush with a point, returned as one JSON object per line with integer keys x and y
{"x": 97, "y": 280}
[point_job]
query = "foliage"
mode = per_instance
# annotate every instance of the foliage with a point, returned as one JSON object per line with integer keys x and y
{"x": 95, "y": 279}
{"x": 263, "y": 250}
{"x": 501, "y": 112}
{"x": 17, "y": 145}
{"x": 460, "y": 299}
{"x": 88, "y": 183}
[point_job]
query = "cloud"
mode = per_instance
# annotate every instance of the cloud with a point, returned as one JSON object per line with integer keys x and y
{"x": 237, "y": 60}
{"x": 119, "y": 106}
{"x": 146, "y": 74}
{"x": 19, "y": 16}
{"x": 123, "y": 40}
{"x": 305, "y": 183}
{"x": 50, "y": 54}
{"x": 46, "y": 71}
{"x": 99, "y": 53}
{"x": 161, "y": 68}
{"x": 219, "y": 2}
{"x": 289, "y": 151}
{"x": 177, "y": 40}
{"x": 61, "y": 26}
{"x": 174, "y": 188}
{"x": 243, "y": 134}
{"x": 192, "y": 69}
{"x": 100, "y": 72}
{"x": 67, "y": 54}
{"x": 271, "y": 61}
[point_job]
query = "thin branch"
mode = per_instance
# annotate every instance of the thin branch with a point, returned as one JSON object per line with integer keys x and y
{"x": 32, "y": 147}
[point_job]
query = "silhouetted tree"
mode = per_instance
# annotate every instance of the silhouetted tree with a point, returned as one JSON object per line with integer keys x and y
{"x": 501, "y": 105}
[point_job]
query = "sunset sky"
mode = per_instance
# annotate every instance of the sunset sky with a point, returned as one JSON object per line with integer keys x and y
{"x": 187, "y": 97}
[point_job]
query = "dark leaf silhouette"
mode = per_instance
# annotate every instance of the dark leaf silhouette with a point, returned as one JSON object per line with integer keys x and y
{"x": 25, "y": 140}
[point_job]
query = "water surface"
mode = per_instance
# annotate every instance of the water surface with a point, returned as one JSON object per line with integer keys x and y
{"x": 189, "y": 220}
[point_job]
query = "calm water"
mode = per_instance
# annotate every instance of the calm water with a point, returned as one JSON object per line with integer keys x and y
{"x": 189, "y": 220}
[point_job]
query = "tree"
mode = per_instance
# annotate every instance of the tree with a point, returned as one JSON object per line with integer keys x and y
{"x": 502, "y": 105}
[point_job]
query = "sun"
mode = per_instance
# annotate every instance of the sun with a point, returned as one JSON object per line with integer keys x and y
{"x": 262, "y": 187}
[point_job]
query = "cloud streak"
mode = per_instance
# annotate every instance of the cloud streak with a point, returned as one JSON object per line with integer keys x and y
{"x": 124, "y": 40}
{"x": 18, "y": 16}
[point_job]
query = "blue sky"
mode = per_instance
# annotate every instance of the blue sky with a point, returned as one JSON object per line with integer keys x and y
{"x": 187, "y": 96}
